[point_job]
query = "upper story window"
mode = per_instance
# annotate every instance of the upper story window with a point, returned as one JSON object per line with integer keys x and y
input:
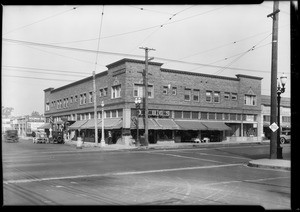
{"x": 174, "y": 91}
{"x": 81, "y": 99}
{"x": 187, "y": 94}
{"x": 104, "y": 91}
{"x": 64, "y": 103}
{"x": 196, "y": 94}
{"x": 67, "y": 102}
{"x": 233, "y": 96}
{"x": 138, "y": 91}
{"x": 47, "y": 106}
{"x": 250, "y": 99}
{"x": 90, "y": 97}
{"x": 71, "y": 99}
{"x": 165, "y": 89}
{"x": 226, "y": 95}
{"x": 216, "y": 97}
{"x": 84, "y": 99}
{"x": 286, "y": 119}
{"x": 75, "y": 98}
{"x": 116, "y": 91}
{"x": 208, "y": 96}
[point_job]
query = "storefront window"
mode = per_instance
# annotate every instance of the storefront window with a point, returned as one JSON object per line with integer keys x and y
{"x": 186, "y": 114}
{"x": 226, "y": 116}
{"x": 233, "y": 116}
{"x": 212, "y": 116}
{"x": 195, "y": 115}
{"x": 204, "y": 115}
{"x": 178, "y": 114}
{"x": 219, "y": 116}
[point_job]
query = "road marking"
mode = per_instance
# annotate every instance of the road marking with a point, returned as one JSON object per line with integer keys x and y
{"x": 226, "y": 156}
{"x": 180, "y": 156}
{"x": 118, "y": 173}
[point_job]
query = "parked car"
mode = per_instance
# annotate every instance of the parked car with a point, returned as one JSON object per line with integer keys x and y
{"x": 40, "y": 137}
{"x": 285, "y": 136}
{"x": 11, "y": 136}
{"x": 57, "y": 137}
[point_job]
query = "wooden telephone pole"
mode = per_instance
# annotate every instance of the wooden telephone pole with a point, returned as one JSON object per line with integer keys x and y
{"x": 275, "y": 16}
{"x": 146, "y": 93}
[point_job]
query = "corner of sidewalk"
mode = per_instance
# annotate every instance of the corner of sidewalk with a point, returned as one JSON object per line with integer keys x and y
{"x": 271, "y": 164}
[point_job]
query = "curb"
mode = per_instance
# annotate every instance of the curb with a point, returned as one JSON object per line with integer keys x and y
{"x": 266, "y": 166}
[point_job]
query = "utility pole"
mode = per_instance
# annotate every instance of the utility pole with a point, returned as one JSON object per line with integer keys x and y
{"x": 275, "y": 16}
{"x": 146, "y": 93}
{"x": 95, "y": 108}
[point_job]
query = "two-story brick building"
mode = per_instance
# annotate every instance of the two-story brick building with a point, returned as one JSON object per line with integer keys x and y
{"x": 182, "y": 105}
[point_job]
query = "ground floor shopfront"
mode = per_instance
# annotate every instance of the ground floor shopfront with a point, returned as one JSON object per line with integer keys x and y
{"x": 121, "y": 125}
{"x": 160, "y": 130}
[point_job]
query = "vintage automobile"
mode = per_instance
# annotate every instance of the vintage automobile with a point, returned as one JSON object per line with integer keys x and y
{"x": 285, "y": 136}
{"x": 11, "y": 136}
{"x": 57, "y": 137}
{"x": 40, "y": 137}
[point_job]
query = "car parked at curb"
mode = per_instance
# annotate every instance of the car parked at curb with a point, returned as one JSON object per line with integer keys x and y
{"x": 285, "y": 136}
{"x": 11, "y": 136}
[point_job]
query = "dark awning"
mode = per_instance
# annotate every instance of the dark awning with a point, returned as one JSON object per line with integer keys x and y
{"x": 152, "y": 125}
{"x": 216, "y": 126}
{"x": 111, "y": 123}
{"x": 90, "y": 124}
{"x": 77, "y": 124}
{"x": 45, "y": 126}
{"x": 167, "y": 124}
{"x": 190, "y": 125}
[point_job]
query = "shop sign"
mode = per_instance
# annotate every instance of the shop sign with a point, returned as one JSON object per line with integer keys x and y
{"x": 164, "y": 113}
{"x": 249, "y": 117}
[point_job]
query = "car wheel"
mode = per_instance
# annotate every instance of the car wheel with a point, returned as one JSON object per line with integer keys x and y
{"x": 282, "y": 140}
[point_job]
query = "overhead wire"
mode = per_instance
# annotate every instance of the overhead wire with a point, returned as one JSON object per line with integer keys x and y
{"x": 38, "y": 78}
{"x": 45, "y": 73}
{"x": 170, "y": 18}
{"x": 116, "y": 54}
{"x": 251, "y": 49}
{"x": 96, "y": 60}
{"x": 139, "y": 30}
{"x": 27, "y": 25}
{"x": 43, "y": 69}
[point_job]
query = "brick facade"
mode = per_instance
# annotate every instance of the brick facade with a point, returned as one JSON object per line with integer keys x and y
{"x": 127, "y": 72}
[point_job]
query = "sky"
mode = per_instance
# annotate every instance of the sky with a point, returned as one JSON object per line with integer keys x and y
{"x": 51, "y": 46}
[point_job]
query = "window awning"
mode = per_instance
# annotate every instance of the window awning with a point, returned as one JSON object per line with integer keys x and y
{"x": 167, "y": 124}
{"x": 152, "y": 125}
{"x": 90, "y": 124}
{"x": 111, "y": 123}
{"x": 45, "y": 126}
{"x": 77, "y": 124}
{"x": 190, "y": 125}
{"x": 216, "y": 126}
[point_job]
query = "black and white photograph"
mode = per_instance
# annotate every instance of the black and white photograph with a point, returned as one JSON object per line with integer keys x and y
{"x": 147, "y": 105}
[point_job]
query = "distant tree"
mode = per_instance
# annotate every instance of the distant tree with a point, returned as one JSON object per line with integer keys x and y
{"x": 6, "y": 111}
{"x": 35, "y": 114}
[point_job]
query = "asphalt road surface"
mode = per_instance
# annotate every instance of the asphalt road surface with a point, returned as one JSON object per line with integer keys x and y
{"x": 56, "y": 174}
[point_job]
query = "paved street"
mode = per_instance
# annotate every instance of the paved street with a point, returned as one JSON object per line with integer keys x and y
{"x": 54, "y": 174}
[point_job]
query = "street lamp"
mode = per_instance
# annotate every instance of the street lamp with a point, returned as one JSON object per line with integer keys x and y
{"x": 137, "y": 105}
{"x": 102, "y": 143}
{"x": 280, "y": 90}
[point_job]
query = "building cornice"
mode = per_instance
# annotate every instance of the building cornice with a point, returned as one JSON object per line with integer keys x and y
{"x": 197, "y": 74}
{"x": 119, "y": 62}
{"x": 79, "y": 81}
{"x": 248, "y": 76}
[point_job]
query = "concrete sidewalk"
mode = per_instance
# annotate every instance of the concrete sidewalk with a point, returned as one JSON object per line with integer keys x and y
{"x": 271, "y": 164}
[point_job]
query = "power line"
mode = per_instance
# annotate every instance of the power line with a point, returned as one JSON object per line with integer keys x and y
{"x": 46, "y": 73}
{"x": 96, "y": 60}
{"x": 73, "y": 58}
{"x": 38, "y": 78}
{"x": 42, "y": 69}
{"x": 251, "y": 49}
{"x": 160, "y": 27}
{"x": 60, "y": 13}
{"x": 144, "y": 9}
{"x": 139, "y": 30}
{"x": 119, "y": 54}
